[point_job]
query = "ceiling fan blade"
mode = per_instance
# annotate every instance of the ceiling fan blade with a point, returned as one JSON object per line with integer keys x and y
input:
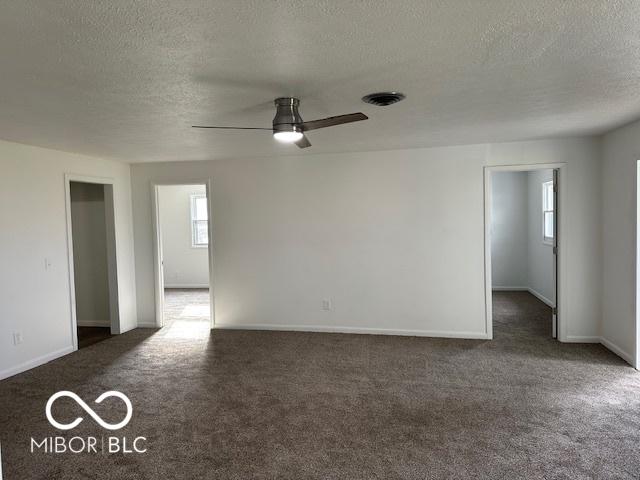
{"x": 232, "y": 128}
{"x": 303, "y": 142}
{"x": 331, "y": 121}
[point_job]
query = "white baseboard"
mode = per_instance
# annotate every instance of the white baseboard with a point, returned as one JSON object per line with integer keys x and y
{"x": 186, "y": 285}
{"x": 536, "y": 294}
{"x": 617, "y": 350}
{"x": 36, "y": 362}
{"x": 147, "y": 325}
{"x": 541, "y": 297}
{"x": 358, "y": 330}
{"x": 606, "y": 343}
{"x": 94, "y": 323}
{"x": 581, "y": 339}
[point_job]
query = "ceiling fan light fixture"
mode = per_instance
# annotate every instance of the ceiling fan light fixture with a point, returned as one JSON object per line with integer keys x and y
{"x": 287, "y": 136}
{"x": 286, "y": 123}
{"x": 288, "y": 126}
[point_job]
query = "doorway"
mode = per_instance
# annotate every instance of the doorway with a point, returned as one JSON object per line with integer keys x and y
{"x": 183, "y": 250}
{"x": 522, "y": 255}
{"x": 92, "y": 260}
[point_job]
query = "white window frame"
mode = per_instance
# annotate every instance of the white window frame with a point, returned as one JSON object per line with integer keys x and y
{"x": 194, "y": 243}
{"x": 547, "y": 240}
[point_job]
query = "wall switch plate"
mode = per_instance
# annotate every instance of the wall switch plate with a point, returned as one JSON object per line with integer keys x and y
{"x": 17, "y": 338}
{"x": 326, "y": 304}
{"x": 47, "y": 264}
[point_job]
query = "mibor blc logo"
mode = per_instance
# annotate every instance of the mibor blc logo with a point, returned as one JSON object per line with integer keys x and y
{"x": 87, "y": 408}
{"x": 90, "y": 444}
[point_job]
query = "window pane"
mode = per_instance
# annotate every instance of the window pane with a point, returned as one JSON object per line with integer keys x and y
{"x": 547, "y": 196}
{"x": 201, "y": 234}
{"x": 201, "y": 208}
{"x": 548, "y": 224}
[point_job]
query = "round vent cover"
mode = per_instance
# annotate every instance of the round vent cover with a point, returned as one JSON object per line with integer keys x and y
{"x": 382, "y": 99}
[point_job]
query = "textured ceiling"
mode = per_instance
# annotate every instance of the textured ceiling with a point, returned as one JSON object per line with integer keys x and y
{"x": 125, "y": 79}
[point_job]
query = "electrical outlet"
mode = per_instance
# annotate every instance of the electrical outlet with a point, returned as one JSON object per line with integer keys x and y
{"x": 17, "y": 338}
{"x": 326, "y": 304}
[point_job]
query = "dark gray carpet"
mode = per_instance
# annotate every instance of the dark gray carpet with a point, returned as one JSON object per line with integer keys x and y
{"x": 89, "y": 335}
{"x": 265, "y": 405}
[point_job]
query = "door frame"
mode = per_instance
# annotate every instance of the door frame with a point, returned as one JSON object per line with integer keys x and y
{"x": 635, "y": 360}
{"x": 112, "y": 260}
{"x": 561, "y": 243}
{"x": 157, "y": 245}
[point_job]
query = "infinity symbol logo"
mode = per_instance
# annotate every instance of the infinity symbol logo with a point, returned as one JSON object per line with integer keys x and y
{"x": 87, "y": 408}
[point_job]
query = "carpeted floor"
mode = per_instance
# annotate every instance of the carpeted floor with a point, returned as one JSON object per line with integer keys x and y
{"x": 264, "y": 405}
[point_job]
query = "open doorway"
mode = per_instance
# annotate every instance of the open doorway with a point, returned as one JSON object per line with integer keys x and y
{"x": 92, "y": 258}
{"x": 182, "y": 213}
{"x": 522, "y": 238}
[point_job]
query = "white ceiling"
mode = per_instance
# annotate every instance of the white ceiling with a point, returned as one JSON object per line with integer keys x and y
{"x": 126, "y": 79}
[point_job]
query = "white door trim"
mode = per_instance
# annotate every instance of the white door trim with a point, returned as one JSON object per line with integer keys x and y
{"x": 112, "y": 262}
{"x": 636, "y": 353}
{"x": 157, "y": 246}
{"x": 561, "y": 275}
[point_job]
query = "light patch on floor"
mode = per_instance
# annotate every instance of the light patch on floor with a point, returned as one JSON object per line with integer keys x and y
{"x": 181, "y": 329}
{"x": 186, "y": 313}
{"x": 195, "y": 311}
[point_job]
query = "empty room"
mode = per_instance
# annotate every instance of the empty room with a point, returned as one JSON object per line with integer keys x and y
{"x": 319, "y": 239}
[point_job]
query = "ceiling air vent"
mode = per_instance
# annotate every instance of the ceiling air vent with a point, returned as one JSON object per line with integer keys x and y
{"x": 382, "y": 99}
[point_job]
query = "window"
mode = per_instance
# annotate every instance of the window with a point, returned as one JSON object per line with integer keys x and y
{"x": 547, "y": 212}
{"x": 199, "y": 226}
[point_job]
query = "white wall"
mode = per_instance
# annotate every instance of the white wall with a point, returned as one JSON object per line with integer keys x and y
{"x": 90, "y": 254}
{"x": 539, "y": 254}
{"x": 394, "y": 239}
{"x": 620, "y": 153}
{"x": 509, "y": 230}
{"x": 184, "y": 266}
{"x": 35, "y": 300}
